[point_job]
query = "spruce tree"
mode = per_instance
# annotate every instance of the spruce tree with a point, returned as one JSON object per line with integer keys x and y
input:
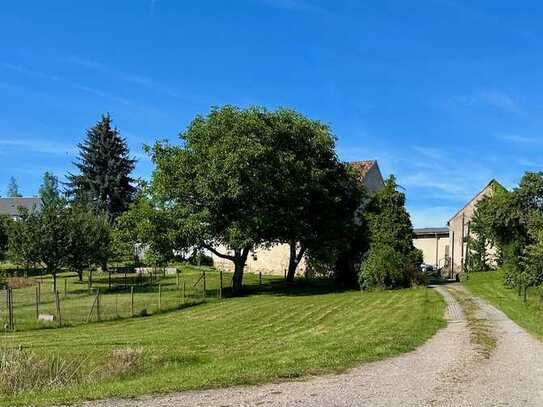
{"x": 105, "y": 166}
{"x": 49, "y": 187}
{"x": 13, "y": 189}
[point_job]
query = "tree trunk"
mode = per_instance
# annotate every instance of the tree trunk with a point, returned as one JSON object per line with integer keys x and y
{"x": 240, "y": 258}
{"x": 80, "y": 275}
{"x": 54, "y": 274}
{"x": 294, "y": 260}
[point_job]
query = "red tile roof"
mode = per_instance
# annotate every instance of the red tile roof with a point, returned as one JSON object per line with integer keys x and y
{"x": 362, "y": 167}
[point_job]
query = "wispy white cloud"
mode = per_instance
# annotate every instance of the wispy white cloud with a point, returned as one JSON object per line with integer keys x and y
{"x": 518, "y": 139}
{"x": 39, "y": 146}
{"x": 492, "y": 98}
{"x": 135, "y": 79}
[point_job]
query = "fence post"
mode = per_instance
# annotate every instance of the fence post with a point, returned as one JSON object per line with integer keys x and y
{"x": 204, "y": 285}
{"x": 184, "y": 284}
{"x": 9, "y": 304}
{"x": 132, "y": 300}
{"x": 159, "y": 296}
{"x": 57, "y": 303}
{"x": 90, "y": 282}
{"x": 98, "y": 317}
{"x": 177, "y": 272}
{"x": 220, "y": 284}
{"x": 38, "y": 301}
{"x": 65, "y": 287}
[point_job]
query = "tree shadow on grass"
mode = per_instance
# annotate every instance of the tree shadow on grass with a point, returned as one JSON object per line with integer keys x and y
{"x": 300, "y": 287}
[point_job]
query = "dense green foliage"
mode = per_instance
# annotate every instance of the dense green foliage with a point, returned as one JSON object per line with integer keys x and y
{"x": 316, "y": 197}
{"x": 104, "y": 170}
{"x": 391, "y": 261}
{"x": 513, "y": 223}
{"x": 4, "y": 228}
{"x": 154, "y": 228}
{"x": 88, "y": 238}
{"x": 245, "y": 179}
{"x": 246, "y": 340}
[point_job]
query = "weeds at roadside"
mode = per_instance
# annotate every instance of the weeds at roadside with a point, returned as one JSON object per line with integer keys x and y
{"x": 481, "y": 332}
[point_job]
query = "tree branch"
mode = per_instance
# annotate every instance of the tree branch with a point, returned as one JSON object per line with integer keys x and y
{"x": 221, "y": 255}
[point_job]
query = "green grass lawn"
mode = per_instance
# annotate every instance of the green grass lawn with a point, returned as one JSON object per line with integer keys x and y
{"x": 76, "y": 300}
{"x": 489, "y": 286}
{"x": 272, "y": 335}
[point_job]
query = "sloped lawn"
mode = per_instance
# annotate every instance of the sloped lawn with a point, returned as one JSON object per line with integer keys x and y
{"x": 268, "y": 336}
{"x": 489, "y": 286}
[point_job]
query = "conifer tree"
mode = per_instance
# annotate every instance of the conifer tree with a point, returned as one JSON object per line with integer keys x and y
{"x": 49, "y": 187}
{"x": 105, "y": 166}
{"x": 13, "y": 189}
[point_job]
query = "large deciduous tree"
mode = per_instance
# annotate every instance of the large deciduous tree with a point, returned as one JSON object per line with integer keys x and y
{"x": 104, "y": 170}
{"x": 313, "y": 196}
{"x": 223, "y": 179}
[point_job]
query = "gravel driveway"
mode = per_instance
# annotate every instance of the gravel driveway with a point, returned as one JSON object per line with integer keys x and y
{"x": 446, "y": 371}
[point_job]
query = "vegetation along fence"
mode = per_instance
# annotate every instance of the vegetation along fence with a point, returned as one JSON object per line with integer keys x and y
{"x": 31, "y": 303}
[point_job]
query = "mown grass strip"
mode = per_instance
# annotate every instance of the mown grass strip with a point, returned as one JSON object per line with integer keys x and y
{"x": 489, "y": 286}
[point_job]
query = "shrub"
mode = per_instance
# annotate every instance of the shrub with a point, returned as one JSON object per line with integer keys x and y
{"x": 19, "y": 282}
{"x": 124, "y": 362}
{"x": 386, "y": 268}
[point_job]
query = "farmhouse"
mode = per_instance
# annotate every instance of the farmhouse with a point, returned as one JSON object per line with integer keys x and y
{"x": 447, "y": 247}
{"x": 274, "y": 260}
{"x": 10, "y": 206}
{"x": 434, "y": 244}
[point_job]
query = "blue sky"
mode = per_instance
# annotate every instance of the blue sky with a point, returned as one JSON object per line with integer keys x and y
{"x": 444, "y": 94}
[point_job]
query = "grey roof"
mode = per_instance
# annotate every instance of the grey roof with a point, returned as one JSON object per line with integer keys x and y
{"x": 431, "y": 231}
{"x": 10, "y": 206}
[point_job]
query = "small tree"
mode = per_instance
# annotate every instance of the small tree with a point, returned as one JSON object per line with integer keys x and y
{"x": 13, "y": 189}
{"x": 392, "y": 261}
{"x": 53, "y": 226}
{"x": 152, "y": 227}
{"x": 87, "y": 234}
{"x": 24, "y": 238}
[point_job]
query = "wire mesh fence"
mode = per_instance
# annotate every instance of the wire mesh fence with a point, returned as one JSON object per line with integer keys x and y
{"x": 34, "y": 303}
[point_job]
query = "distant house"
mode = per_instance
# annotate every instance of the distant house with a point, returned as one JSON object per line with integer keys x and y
{"x": 274, "y": 260}
{"x": 448, "y": 246}
{"x": 10, "y": 206}
{"x": 459, "y": 228}
{"x": 434, "y": 244}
